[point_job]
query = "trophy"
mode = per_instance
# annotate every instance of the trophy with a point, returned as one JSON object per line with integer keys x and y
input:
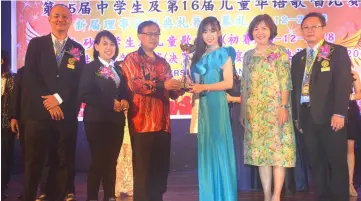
{"x": 187, "y": 49}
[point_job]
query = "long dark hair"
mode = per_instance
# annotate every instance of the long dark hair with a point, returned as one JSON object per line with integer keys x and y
{"x": 199, "y": 42}
{"x": 111, "y": 37}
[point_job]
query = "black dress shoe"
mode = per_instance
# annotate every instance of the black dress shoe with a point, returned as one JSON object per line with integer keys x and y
{"x": 5, "y": 196}
{"x": 42, "y": 197}
{"x": 70, "y": 197}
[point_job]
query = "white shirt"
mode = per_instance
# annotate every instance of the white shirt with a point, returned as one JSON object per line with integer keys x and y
{"x": 111, "y": 63}
{"x": 62, "y": 42}
{"x": 315, "y": 49}
{"x": 53, "y": 38}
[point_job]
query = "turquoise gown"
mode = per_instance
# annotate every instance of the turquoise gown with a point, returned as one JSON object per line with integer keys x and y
{"x": 216, "y": 160}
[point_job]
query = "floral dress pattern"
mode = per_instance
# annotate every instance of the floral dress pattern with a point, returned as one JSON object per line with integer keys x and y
{"x": 124, "y": 170}
{"x": 267, "y": 143}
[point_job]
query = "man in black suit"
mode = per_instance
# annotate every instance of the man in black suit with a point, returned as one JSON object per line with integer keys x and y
{"x": 16, "y": 109}
{"x": 17, "y": 123}
{"x": 53, "y": 66}
{"x": 321, "y": 77}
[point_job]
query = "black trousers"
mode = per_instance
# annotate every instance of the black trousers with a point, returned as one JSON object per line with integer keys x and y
{"x": 151, "y": 158}
{"x": 105, "y": 140}
{"x": 22, "y": 139}
{"x": 7, "y": 150}
{"x": 327, "y": 154}
{"x": 45, "y": 179}
{"x": 43, "y": 139}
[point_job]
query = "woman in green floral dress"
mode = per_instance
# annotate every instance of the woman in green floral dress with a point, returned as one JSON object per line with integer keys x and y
{"x": 266, "y": 113}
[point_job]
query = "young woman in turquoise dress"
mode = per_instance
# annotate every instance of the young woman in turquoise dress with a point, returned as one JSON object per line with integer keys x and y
{"x": 212, "y": 64}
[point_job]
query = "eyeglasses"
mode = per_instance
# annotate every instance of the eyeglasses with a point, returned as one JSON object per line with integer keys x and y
{"x": 314, "y": 27}
{"x": 150, "y": 34}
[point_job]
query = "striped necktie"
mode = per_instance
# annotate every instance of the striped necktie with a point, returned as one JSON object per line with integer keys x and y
{"x": 58, "y": 48}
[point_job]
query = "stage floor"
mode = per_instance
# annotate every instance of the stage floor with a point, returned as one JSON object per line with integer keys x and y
{"x": 182, "y": 186}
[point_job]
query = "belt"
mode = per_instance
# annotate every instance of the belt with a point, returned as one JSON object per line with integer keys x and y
{"x": 308, "y": 104}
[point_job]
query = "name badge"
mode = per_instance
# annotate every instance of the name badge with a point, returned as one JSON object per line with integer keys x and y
{"x": 306, "y": 89}
{"x": 325, "y": 69}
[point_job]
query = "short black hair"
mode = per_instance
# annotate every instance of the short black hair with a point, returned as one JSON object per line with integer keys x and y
{"x": 315, "y": 14}
{"x": 146, "y": 24}
{"x": 111, "y": 37}
{"x": 269, "y": 23}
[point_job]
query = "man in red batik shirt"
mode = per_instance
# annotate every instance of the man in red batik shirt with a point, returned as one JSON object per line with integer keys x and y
{"x": 150, "y": 86}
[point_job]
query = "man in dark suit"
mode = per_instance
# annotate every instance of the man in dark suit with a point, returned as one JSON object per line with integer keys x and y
{"x": 321, "y": 77}
{"x": 53, "y": 66}
{"x": 16, "y": 109}
{"x": 17, "y": 123}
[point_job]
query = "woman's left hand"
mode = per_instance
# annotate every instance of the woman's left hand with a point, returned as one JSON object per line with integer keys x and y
{"x": 124, "y": 105}
{"x": 197, "y": 88}
{"x": 283, "y": 116}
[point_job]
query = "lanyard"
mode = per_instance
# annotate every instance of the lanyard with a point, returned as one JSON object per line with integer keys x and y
{"x": 309, "y": 67}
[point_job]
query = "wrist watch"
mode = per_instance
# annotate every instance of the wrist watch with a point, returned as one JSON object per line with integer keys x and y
{"x": 285, "y": 106}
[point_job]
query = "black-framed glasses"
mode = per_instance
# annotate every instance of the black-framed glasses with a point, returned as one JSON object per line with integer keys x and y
{"x": 308, "y": 28}
{"x": 150, "y": 34}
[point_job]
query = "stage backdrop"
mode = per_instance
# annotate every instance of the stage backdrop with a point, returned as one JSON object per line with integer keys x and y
{"x": 179, "y": 20}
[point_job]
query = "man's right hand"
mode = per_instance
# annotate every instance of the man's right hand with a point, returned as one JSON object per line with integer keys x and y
{"x": 56, "y": 113}
{"x": 173, "y": 84}
{"x": 14, "y": 124}
{"x": 297, "y": 125}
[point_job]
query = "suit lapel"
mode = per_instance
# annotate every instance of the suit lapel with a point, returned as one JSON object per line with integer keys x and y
{"x": 302, "y": 66}
{"x": 98, "y": 64}
{"x": 300, "y": 70}
{"x": 316, "y": 68}
{"x": 50, "y": 51}
{"x": 117, "y": 70}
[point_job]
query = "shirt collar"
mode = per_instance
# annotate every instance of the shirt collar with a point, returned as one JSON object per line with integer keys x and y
{"x": 315, "y": 49}
{"x": 142, "y": 53}
{"x": 111, "y": 63}
{"x": 53, "y": 38}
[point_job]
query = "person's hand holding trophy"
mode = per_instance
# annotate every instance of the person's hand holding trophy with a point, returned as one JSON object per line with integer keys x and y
{"x": 187, "y": 49}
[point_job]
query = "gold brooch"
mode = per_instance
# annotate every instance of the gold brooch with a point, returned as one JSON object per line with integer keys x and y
{"x": 325, "y": 63}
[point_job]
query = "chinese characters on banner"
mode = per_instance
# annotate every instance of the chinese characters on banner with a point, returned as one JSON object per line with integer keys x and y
{"x": 179, "y": 20}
